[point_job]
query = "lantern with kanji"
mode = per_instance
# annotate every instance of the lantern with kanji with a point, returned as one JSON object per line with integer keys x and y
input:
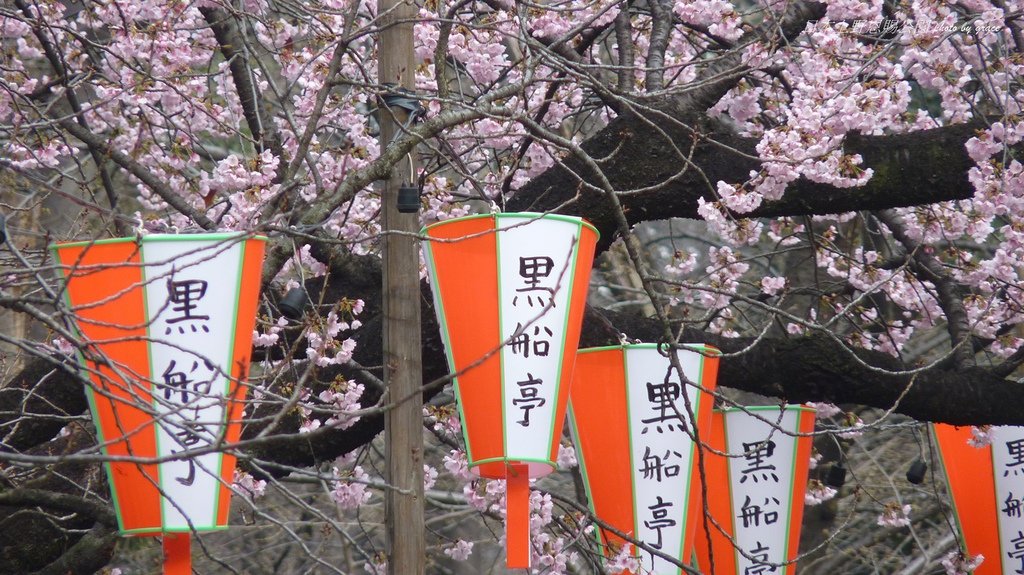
{"x": 986, "y": 480}
{"x": 166, "y": 323}
{"x": 756, "y": 485}
{"x": 509, "y": 291}
{"x": 634, "y": 417}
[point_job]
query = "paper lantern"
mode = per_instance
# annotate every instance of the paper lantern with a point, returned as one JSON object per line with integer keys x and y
{"x": 756, "y": 492}
{"x": 632, "y": 417}
{"x": 987, "y": 487}
{"x": 167, "y": 324}
{"x": 509, "y": 290}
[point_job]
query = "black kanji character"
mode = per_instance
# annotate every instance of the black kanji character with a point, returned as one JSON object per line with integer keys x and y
{"x": 183, "y": 296}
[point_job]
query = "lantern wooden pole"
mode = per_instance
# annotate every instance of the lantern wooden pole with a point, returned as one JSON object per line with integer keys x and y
{"x": 403, "y": 427}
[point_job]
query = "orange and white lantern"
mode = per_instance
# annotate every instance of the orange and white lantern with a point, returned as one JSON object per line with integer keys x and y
{"x": 510, "y": 291}
{"x": 986, "y": 481}
{"x": 756, "y": 489}
{"x": 633, "y": 419}
{"x": 167, "y": 323}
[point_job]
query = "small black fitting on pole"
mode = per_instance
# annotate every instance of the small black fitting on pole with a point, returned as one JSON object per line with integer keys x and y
{"x": 408, "y": 199}
{"x": 916, "y": 472}
{"x": 293, "y": 304}
{"x": 836, "y": 476}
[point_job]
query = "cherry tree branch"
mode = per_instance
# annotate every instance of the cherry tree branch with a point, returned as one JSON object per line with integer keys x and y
{"x": 254, "y": 109}
{"x": 661, "y": 28}
{"x": 58, "y": 65}
{"x": 154, "y": 183}
{"x": 26, "y": 496}
{"x": 949, "y": 292}
{"x": 918, "y": 168}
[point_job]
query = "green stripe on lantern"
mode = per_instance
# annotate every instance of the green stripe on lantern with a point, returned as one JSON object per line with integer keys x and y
{"x": 435, "y": 290}
{"x": 91, "y": 398}
{"x": 571, "y": 272}
{"x": 211, "y": 236}
{"x": 624, "y": 350}
{"x": 501, "y": 351}
{"x": 154, "y": 404}
{"x": 995, "y": 494}
{"x": 694, "y": 411}
{"x": 226, "y": 387}
{"x": 583, "y": 470}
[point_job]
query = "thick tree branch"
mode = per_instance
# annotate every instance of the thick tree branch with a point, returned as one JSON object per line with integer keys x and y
{"x": 949, "y": 293}
{"x": 22, "y": 497}
{"x": 913, "y": 169}
{"x": 160, "y": 187}
{"x": 37, "y": 403}
{"x": 57, "y": 63}
{"x": 257, "y": 118}
{"x": 88, "y": 555}
{"x": 662, "y": 23}
{"x": 819, "y": 368}
{"x": 626, "y": 57}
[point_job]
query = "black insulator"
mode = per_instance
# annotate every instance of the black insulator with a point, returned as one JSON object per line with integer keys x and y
{"x": 836, "y": 476}
{"x": 408, "y": 199}
{"x": 293, "y": 304}
{"x": 916, "y": 472}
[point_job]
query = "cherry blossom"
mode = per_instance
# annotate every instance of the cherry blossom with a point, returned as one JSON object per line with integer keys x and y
{"x": 566, "y": 456}
{"x": 455, "y": 463}
{"x": 377, "y": 566}
{"x": 824, "y": 410}
{"x": 772, "y": 285}
{"x": 818, "y": 492}
{"x": 959, "y": 563}
{"x": 460, "y": 550}
{"x": 341, "y": 400}
{"x": 894, "y": 515}
{"x": 429, "y": 476}
{"x": 622, "y": 560}
{"x": 248, "y": 486}
{"x": 349, "y": 488}
{"x": 980, "y": 436}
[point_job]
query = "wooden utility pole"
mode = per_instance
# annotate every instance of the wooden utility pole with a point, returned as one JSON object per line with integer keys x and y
{"x": 403, "y": 426}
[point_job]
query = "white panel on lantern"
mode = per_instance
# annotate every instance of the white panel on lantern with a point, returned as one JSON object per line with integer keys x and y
{"x": 761, "y": 457}
{"x": 1008, "y": 471}
{"x": 662, "y": 451}
{"x": 191, "y": 288}
{"x": 536, "y": 273}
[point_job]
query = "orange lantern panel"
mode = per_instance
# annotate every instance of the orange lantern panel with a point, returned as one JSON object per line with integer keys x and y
{"x": 987, "y": 486}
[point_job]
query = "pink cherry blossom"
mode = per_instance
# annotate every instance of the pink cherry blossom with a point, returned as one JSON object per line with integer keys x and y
{"x": 959, "y": 563}
{"x": 894, "y": 515}
{"x": 817, "y": 493}
{"x": 460, "y": 550}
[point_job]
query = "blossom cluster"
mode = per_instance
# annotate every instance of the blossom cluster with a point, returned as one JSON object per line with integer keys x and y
{"x": 894, "y": 515}
{"x": 959, "y": 563}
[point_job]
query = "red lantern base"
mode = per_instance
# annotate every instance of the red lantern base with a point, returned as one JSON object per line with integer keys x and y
{"x": 517, "y": 516}
{"x": 177, "y": 554}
